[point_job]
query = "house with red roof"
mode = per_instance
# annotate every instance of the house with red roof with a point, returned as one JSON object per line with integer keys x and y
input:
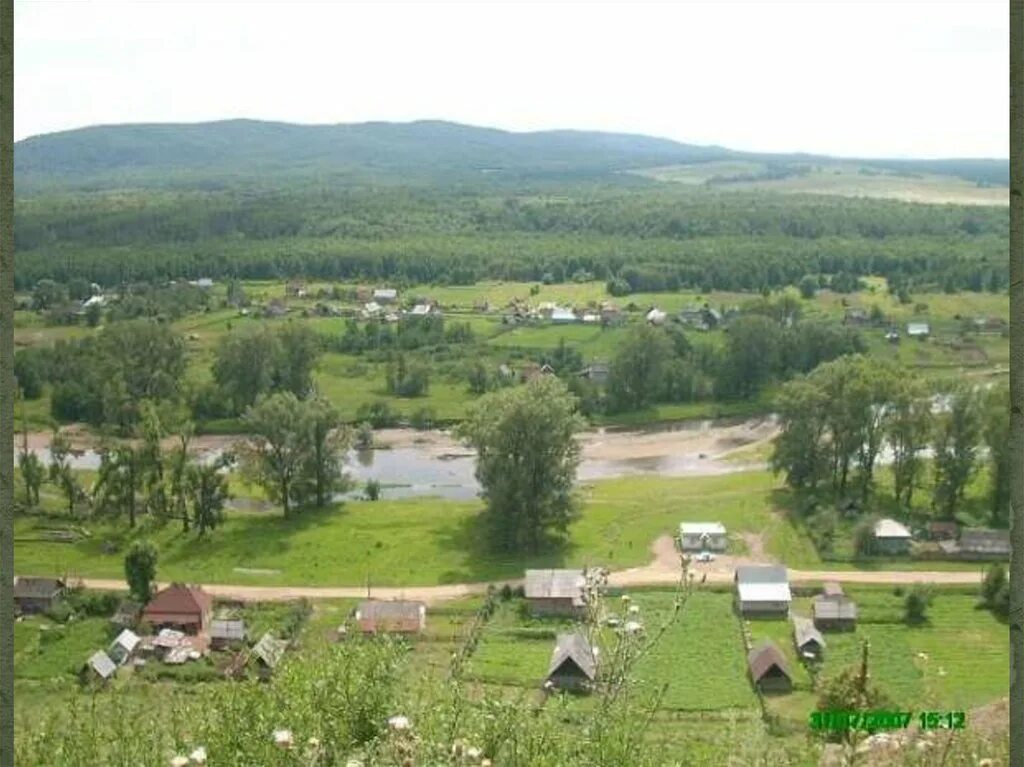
{"x": 180, "y": 606}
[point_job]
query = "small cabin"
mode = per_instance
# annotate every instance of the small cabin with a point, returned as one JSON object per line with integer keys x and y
{"x": 809, "y": 642}
{"x": 762, "y": 591}
{"x": 702, "y": 536}
{"x": 891, "y": 537}
{"x": 768, "y": 668}
{"x": 573, "y": 664}
{"x": 555, "y": 592}
{"x": 376, "y": 616}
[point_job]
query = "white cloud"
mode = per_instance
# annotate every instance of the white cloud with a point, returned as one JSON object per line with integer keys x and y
{"x": 866, "y": 78}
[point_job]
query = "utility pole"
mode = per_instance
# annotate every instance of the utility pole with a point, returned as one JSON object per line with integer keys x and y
{"x": 1016, "y": 257}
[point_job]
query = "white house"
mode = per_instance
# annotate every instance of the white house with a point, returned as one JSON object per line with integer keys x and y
{"x": 918, "y": 330}
{"x": 562, "y": 314}
{"x": 891, "y": 537}
{"x": 702, "y": 536}
{"x": 121, "y": 649}
{"x": 763, "y": 590}
{"x": 656, "y": 317}
{"x": 372, "y": 309}
{"x": 385, "y": 295}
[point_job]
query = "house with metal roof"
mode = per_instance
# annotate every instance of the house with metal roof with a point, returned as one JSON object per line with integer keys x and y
{"x": 762, "y": 590}
{"x": 226, "y": 631}
{"x": 703, "y": 536}
{"x": 808, "y": 640}
{"x": 769, "y": 670}
{"x": 385, "y": 295}
{"x": 573, "y": 663}
{"x": 36, "y": 595}
{"x": 377, "y": 616}
{"x": 180, "y": 606}
{"x": 563, "y": 314}
{"x": 122, "y": 648}
{"x": 268, "y": 652}
{"x": 891, "y": 537}
{"x": 555, "y": 592}
{"x": 101, "y": 665}
{"x": 979, "y": 544}
{"x": 919, "y": 330}
{"x": 834, "y": 613}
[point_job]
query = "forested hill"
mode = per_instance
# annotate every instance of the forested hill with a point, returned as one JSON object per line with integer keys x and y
{"x": 227, "y": 153}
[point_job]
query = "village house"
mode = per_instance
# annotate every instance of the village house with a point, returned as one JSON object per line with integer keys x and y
{"x": 893, "y": 336}
{"x": 555, "y": 592}
{"x": 573, "y": 664}
{"x": 36, "y": 595}
{"x": 123, "y": 647}
{"x": 943, "y": 530}
{"x": 832, "y": 610}
{"x": 591, "y": 318}
{"x": 563, "y": 315}
{"x": 533, "y": 370}
{"x": 988, "y": 324}
{"x": 179, "y": 606}
{"x": 375, "y": 616}
{"x": 275, "y": 309}
{"x": 762, "y": 590}
{"x": 768, "y": 668}
{"x": 809, "y": 642}
{"x": 424, "y": 310}
{"x": 372, "y": 309}
{"x": 702, "y": 536}
{"x": 296, "y": 289}
{"x": 979, "y": 544}
{"x": 611, "y": 315}
{"x": 225, "y": 632}
{"x": 656, "y": 317}
{"x": 891, "y": 537}
{"x": 919, "y": 330}
{"x": 855, "y": 316}
{"x": 596, "y": 372}
{"x": 385, "y": 295}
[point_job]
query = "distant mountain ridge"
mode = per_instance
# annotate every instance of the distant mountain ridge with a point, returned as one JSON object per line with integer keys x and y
{"x": 428, "y": 151}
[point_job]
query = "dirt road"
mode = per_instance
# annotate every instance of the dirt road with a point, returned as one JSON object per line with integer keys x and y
{"x": 657, "y": 573}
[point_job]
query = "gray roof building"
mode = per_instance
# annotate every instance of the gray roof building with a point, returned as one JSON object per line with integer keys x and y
{"x": 573, "y": 649}
{"x": 555, "y": 584}
{"x": 269, "y": 650}
{"x": 761, "y": 574}
{"x": 101, "y": 663}
{"x": 227, "y": 630}
{"x": 806, "y": 636}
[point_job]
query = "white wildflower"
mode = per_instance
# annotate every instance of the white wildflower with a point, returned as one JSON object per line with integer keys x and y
{"x": 198, "y": 756}
{"x": 634, "y": 609}
{"x": 473, "y": 753}
{"x": 633, "y": 627}
{"x": 485, "y": 763}
{"x": 353, "y": 763}
{"x": 314, "y": 742}
{"x": 625, "y": 597}
{"x": 283, "y": 738}
{"x": 986, "y": 763}
{"x": 179, "y": 761}
{"x": 922, "y": 656}
{"x": 398, "y": 723}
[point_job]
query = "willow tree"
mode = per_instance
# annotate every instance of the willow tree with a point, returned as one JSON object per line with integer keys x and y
{"x": 527, "y": 456}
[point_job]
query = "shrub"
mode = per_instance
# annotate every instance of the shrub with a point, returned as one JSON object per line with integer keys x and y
{"x": 917, "y": 602}
{"x": 59, "y": 612}
{"x": 99, "y": 604}
{"x": 994, "y": 583}
{"x": 372, "y": 490}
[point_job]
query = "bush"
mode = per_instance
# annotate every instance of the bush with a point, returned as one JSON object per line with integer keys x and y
{"x": 916, "y": 605}
{"x": 372, "y": 490}
{"x": 423, "y": 418}
{"x": 100, "y": 604}
{"x": 59, "y": 612}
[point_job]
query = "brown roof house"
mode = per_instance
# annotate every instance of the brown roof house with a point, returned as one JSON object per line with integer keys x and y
{"x": 37, "y": 595}
{"x": 376, "y": 616}
{"x": 573, "y": 663}
{"x": 555, "y": 592}
{"x": 768, "y": 668}
{"x": 179, "y": 606}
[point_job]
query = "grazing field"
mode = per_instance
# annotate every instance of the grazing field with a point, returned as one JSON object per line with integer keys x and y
{"x": 45, "y": 650}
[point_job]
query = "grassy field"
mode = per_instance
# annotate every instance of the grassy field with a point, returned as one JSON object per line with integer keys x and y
{"x": 845, "y": 179}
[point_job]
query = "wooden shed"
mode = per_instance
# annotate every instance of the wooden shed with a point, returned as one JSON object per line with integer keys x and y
{"x": 807, "y": 639}
{"x": 376, "y": 616}
{"x": 768, "y": 668}
{"x": 573, "y": 663}
{"x": 555, "y": 592}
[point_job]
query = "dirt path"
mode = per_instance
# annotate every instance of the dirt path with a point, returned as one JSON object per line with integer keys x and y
{"x": 663, "y": 571}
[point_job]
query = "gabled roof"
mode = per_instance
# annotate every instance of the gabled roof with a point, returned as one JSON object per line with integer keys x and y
{"x": 127, "y": 639}
{"x": 702, "y": 528}
{"x": 841, "y": 608}
{"x": 761, "y": 574}
{"x": 269, "y": 650}
{"x": 832, "y": 589}
{"x": 27, "y": 587}
{"x": 555, "y": 584}
{"x": 576, "y": 649}
{"x": 984, "y": 540}
{"x": 804, "y": 632}
{"x": 179, "y": 598}
{"x": 890, "y": 528}
{"x": 763, "y": 657}
{"x": 230, "y": 629}
{"x": 379, "y": 609}
{"x": 764, "y": 592}
{"x": 101, "y": 663}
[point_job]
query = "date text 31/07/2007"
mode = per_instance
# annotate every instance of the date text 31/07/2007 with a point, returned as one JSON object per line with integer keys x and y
{"x": 886, "y": 720}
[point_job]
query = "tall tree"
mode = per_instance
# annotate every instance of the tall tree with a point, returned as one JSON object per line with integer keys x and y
{"x": 32, "y": 472}
{"x": 798, "y": 450}
{"x": 527, "y": 456}
{"x": 299, "y": 348}
{"x": 751, "y": 356}
{"x": 908, "y": 426}
{"x": 276, "y": 451}
{"x": 120, "y": 479}
{"x": 244, "y": 365}
{"x": 177, "y": 470}
{"x": 996, "y": 431}
{"x": 207, "y": 488}
{"x": 327, "y": 442}
{"x": 140, "y": 570}
{"x": 955, "y": 444}
{"x": 635, "y": 376}
{"x": 61, "y": 473}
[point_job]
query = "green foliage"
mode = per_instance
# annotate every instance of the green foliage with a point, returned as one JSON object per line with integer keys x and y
{"x": 636, "y": 373}
{"x": 527, "y": 455}
{"x": 917, "y": 602}
{"x": 140, "y": 569}
{"x": 955, "y": 445}
{"x": 93, "y": 604}
{"x": 372, "y": 490}
{"x": 996, "y": 434}
{"x": 852, "y": 689}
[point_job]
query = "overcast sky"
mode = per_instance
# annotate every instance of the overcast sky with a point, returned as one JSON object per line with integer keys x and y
{"x": 875, "y": 78}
